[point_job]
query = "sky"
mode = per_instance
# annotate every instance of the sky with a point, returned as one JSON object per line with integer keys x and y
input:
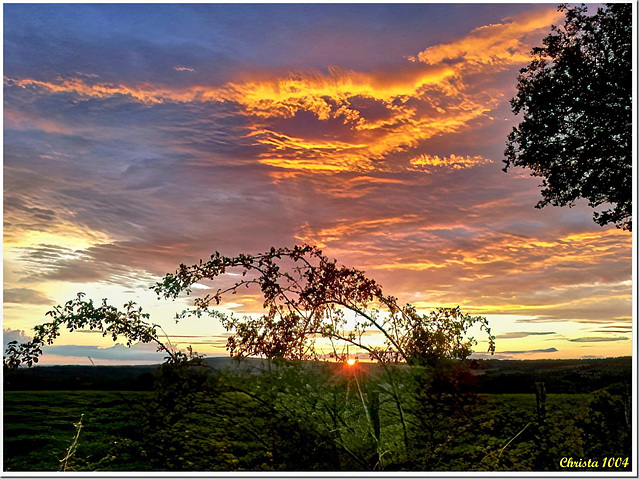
{"x": 138, "y": 137}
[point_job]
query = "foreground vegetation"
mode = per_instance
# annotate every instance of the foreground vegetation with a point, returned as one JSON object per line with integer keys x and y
{"x": 309, "y": 416}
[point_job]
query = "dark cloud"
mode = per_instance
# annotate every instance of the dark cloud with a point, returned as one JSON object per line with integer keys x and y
{"x": 51, "y": 262}
{"x": 138, "y": 352}
{"x": 510, "y": 355}
{"x": 26, "y": 296}
{"x": 543, "y": 350}
{"x": 522, "y": 334}
{"x": 598, "y": 339}
{"x": 627, "y": 326}
{"x": 35, "y": 213}
{"x": 614, "y": 329}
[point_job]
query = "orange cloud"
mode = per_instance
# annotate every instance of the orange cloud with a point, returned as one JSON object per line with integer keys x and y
{"x": 427, "y": 162}
{"x": 366, "y": 145}
{"x": 80, "y": 87}
{"x": 496, "y": 44}
{"x": 290, "y": 152}
{"x": 146, "y": 93}
{"x": 309, "y": 91}
{"x": 373, "y": 114}
{"x": 329, "y": 96}
{"x": 517, "y": 252}
{"x": 376, "y": 227}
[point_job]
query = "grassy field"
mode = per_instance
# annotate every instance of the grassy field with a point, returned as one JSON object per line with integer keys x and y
{"x": 39, "y": 426}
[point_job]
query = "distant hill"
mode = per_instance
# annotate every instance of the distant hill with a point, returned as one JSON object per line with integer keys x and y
{"x": 493, "y": 376}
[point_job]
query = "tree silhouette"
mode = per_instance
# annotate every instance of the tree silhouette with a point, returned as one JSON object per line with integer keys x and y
{"x": 307, "y": 297}
{"x": 575, "y": 97}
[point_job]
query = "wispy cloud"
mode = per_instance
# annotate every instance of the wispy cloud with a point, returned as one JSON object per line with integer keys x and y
{"x": 25, "y": 296}
{"x": 518, "y": 352}
{"x": 427, "y": 162}
{"x": 522, "y": 334}
{"x": 137, "y": 352}
{"x": 598, "y": 339}
{"x": 498, "y": 44}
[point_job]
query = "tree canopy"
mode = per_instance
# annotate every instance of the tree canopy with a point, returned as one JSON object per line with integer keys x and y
{"x": 576, "y": 101}
{"x": 307, "y": 297}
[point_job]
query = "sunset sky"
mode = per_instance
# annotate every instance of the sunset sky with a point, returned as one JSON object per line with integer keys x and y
{"x": 139, "y": 137}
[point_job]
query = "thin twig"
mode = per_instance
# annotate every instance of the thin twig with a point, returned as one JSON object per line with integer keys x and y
{"x": 72, "y": 448}
{"x": 507, "y": 444}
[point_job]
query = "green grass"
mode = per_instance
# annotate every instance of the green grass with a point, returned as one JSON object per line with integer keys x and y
{"x": 39, "y": 426}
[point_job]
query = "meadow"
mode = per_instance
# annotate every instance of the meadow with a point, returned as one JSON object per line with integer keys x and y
{"x": 293, "y": 416}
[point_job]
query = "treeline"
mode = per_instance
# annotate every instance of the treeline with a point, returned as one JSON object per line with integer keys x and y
{"x": 76, "y": 377}
{"x": 488, "y": 376}
{"x": 559, "y": 376}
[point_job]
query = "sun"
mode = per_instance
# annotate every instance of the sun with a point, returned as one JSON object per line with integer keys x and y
{"x": 351, "y": 362}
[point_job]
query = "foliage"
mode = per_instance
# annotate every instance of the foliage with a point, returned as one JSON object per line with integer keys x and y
{"x": 605, "y": 426}
{"x": 233, "y": 422}
{"x": 443, "y": 406}
{"x": 131, "y": 323}
{"x": 576, "y": 97}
